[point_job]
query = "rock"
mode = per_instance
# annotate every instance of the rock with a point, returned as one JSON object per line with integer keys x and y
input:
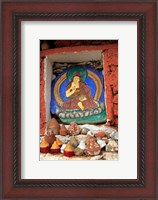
{"x": 110, "y": 156}
{"x": 101, "y": 143}
{"x": 63, "y": 131}
{"x": 112, "y": 146}
{"x": 84, "y": 131}
{"x": 73, "y": 141}
{"x": 54, "y": 126}
{"x": 64, "y": 139}
{"x": 82, "y": 145}
{"x": 114, "y": 135}
{"x": 92, "y": 147}
{"x": 50, "y": 138}
{"x": 100, "y": 134}
{"x": 78, "y": 152}
{"x": 90, "y": 133}
{"x": 62, "y": 148}
{"x": 109, "y": 123}
{"x": 105, "y": 139}
{"x": 81, "y": 137}
{"x": 74, "y": 129}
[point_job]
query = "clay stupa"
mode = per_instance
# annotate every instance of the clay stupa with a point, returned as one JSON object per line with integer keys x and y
{"x": 54, "y": 126}
{"x": 63, "y": 130}
{"x": 55, "y": 148}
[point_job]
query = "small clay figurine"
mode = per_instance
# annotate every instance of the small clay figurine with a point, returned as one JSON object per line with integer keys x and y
{"x": 54, "y": 126}
{"x": 69, "y": 150}
{"x": 63, "y": 131}
{"x": 59, "y": 142}
{"x": 50, "y": 138}
{"x": 44, "y": 146}
{"x": 55, "y": 148}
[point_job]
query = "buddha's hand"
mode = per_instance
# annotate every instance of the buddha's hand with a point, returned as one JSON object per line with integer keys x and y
{"x": 82, "y": 98}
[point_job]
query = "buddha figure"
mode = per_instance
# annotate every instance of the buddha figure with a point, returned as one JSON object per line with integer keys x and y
{"x": 79, "y": 95}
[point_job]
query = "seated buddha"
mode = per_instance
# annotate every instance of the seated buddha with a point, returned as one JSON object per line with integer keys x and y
{"x": 79, "y": 95}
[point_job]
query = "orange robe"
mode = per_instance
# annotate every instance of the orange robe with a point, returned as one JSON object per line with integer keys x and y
{"x": 83, "y": 91}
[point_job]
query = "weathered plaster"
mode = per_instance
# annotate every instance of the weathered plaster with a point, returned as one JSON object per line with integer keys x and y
{"x": 48, "y": 71}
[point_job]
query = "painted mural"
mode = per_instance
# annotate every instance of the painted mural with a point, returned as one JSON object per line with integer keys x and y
{"x": 78, "y": 94}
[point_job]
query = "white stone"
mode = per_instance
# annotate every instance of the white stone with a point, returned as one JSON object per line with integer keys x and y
{"x": 62, "y": 148}
{"x": 90, "y": 133}
{"x": 101, "y": 143}
{"x": 82, "y": 145}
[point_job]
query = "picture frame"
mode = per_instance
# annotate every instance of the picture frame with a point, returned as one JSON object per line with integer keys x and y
{"x": 144, "y": 187}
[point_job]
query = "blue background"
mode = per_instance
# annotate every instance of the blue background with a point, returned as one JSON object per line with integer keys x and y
{"x": 54, "y": 105}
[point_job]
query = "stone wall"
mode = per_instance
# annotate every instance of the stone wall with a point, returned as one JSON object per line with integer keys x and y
{"x": 50, "y": 44}
{"x": 70, "y": 43}
{"x": 111, "y": 84}
{"x": 42, "y": 99}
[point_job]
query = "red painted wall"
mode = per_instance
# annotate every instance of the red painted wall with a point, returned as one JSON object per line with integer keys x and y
{"x": 42, "y": 100}
{"x": 111, "y": 84}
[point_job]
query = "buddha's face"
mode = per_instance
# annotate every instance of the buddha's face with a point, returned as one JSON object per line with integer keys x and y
{"x": 76, "y": 79}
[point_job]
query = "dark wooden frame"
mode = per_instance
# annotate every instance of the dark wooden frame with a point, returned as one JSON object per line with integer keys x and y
{"x": 144, "y": 187}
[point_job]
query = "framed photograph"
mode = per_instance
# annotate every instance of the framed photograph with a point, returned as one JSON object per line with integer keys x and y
{"x": 79, "y": 100}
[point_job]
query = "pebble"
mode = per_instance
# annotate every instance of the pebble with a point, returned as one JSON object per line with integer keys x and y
{"x": 114, "y": 135}
{"x": 101, "y": 143}
{"x": 100, "y": 134}
{"x": 84, "y": 131}
{"x": 112, "y": 146}
{"x": 74, "y": 141}
{"x": 78, "y": 151}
